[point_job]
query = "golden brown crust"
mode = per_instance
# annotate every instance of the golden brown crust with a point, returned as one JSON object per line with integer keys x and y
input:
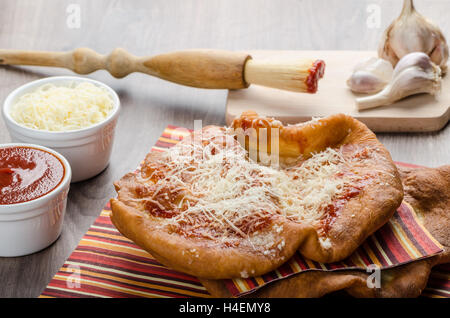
{"x": 194, "y": 257}
{"x": 360, "y": 217}
{"x": 428, "y": 191}
{"x": 363, "y": 215}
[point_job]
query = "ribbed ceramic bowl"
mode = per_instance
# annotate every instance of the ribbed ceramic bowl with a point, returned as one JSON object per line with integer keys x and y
{"x": 30, "y": 226}
{"x": 88, "y": 150}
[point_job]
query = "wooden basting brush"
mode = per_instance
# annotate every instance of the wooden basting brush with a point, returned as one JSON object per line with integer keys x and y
{"x": 197, "y": 68}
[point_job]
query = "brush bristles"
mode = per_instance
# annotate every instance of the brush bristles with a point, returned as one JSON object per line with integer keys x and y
{"x": 297, "y": 76}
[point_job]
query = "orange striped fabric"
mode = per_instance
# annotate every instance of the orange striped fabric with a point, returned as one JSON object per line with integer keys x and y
{"x": 106, "y": 264}
{"x": 438, "y": 283}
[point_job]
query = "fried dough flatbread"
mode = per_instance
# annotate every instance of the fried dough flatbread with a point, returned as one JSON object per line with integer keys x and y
{"x": 428, "y": 191}
{"x": 205, "y": 208}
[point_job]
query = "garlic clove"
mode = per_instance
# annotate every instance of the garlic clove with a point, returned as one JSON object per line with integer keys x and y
{"x": 414, "y": 74}
{"x": 365, "y": 82}
{"x": 414, "y": 81}
{"x": 418, "y": 59}
{"x": 412, "y": 32}
{"x": 370, "y": 76}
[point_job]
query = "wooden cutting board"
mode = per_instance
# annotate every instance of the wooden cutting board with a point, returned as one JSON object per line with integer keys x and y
{"x": 418, "y": 113}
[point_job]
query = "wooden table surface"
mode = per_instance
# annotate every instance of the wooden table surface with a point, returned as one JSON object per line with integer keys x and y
{"x": 149, "y": 104}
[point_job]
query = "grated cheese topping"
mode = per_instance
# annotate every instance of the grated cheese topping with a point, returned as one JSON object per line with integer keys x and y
{"x": 224, "y": 196}
{"x": 63, "y": 108}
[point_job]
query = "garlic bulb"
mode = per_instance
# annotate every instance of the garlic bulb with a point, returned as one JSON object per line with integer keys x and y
{"x": 370, "y": 76}
{"x": 412, "y": 32}
{"x": 415, "y": 73}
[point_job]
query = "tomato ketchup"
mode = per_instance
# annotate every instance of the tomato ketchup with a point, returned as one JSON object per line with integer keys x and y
{"x": 27, "y": 173}
{"x": 316, "y": 72}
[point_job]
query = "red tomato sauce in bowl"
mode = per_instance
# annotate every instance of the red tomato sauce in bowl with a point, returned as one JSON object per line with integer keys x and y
{"x": 27, "y": 173}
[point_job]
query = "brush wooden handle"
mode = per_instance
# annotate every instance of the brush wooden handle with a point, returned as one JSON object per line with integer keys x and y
{"x": 197, "y": 68}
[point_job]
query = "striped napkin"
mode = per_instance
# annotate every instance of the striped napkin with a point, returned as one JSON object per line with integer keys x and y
{"x": 106, "y": 264}
{"x": 438, "y": 283}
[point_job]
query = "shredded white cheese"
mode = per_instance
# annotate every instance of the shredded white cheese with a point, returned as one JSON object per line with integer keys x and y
{"x": 63, "y": 108}
{"x": 231, "y": 194}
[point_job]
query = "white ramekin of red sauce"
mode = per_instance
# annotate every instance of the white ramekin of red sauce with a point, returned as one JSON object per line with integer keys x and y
{"x": 87, "y": 149}
{"x": 34, "y": 183}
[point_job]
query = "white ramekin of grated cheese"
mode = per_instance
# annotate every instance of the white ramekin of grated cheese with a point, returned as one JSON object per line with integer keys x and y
{"x": 72, "y": 115}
